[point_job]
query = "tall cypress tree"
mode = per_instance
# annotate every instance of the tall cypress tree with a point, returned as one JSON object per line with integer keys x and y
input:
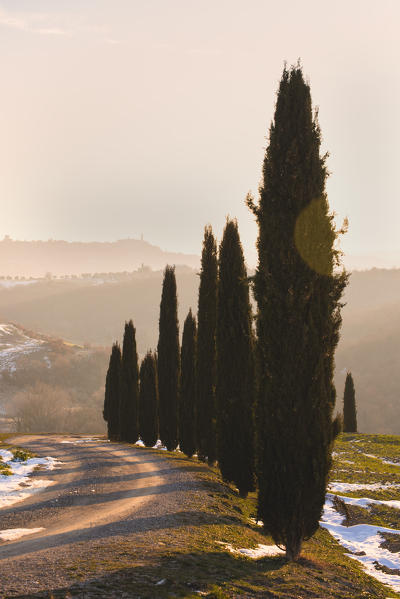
{"x": 298, "y": 293}
{"x": 187, "y": 408}
{"x": 206, "y": 356}
{"x": 168, "y": 361}
{"x": 148, "y": 402}
{"x": 235, "y": 372}
{"x": 349, "y": 406}
{"x": 129, "y": 412}
{"x": 111, "y": 411}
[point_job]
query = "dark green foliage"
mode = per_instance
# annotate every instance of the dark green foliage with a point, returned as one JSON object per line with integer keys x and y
{"x": 148, "y": 402}
{"x": 349, "y": 406}
{"x": 129, "y": 409}
{"x": 187, "y": 408}
{"x": 168, "y": 361}
{"x": 206, "y": 357}
{"x": 298, "y": 295}
{"x": 113, "y": 393}
{"x": 235, "y": 371}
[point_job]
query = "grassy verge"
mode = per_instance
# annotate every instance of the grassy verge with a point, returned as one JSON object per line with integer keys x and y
{"x": 183, "y": 557}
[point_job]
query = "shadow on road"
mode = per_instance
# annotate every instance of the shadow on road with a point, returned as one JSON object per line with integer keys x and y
{"x": 114, "y": 529}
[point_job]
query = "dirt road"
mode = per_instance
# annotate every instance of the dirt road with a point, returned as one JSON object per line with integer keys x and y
{"x": 100, "y": 490}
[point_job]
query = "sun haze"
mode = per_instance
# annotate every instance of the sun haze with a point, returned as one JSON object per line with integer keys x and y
{"x": 150, "y": 117}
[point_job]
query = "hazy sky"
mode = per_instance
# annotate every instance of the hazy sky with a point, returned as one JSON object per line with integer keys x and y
{"x": 121, "y": 117}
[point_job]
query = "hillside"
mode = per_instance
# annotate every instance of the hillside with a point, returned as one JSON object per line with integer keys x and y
{"x": 93, "y": 310}
{"x": 47, "y": 384}
{"x": 370, "y": 348}
{"x": 36, "y": 258}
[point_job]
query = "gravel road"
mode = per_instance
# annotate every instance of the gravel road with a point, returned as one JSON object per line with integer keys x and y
{"x": 100, "y": 491}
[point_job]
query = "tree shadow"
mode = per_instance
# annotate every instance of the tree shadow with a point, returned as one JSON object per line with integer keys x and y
{"x": 178, "y": 575}
{"x": 121, "y": 528}
{"x": 89, "y": 499}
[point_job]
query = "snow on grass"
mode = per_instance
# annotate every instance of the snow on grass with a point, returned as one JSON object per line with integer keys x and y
{"x": 18, "y": 485}
{"x": 364, "y": 540}
{"x": 365, "y": 502}
{"x": 338, "y": 487}
{"x": 383, "y": 460}
{"x": 256, "y": 553}
{"x": 12, "y": 534}
{"x": 13, "y": 344}
{"x": 158, "y": 445}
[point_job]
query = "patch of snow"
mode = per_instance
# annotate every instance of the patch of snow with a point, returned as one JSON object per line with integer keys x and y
{"x": 6, "y": 455}
{"x": 159, "y": 445}
{"x": 8, "y": 283}
{"x": 79, "y": 441}
{"x": 363, "y": 538}
{"x": 11, "y": 534}
{"x": 257, "y": 553}
{"x": 366, "y": 501}
{"x": 6, "y": 329}
{"x": 18, "y": 485}
{"x": 383, "y": 460}
{"x": 256, "y": 522}
{"x": 337, "y": 487}
{"x": 390, "y": 463}
{"x": 370, "y": 455}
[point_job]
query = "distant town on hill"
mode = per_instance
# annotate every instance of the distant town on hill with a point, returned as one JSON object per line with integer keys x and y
{"x": 54, "y": 257}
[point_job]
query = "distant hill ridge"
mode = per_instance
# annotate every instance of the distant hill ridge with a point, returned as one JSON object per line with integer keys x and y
{"x": 36, "y": 258}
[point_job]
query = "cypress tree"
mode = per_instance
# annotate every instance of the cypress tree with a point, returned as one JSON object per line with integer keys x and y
{"x": 349, "y": 406}
{"x": 298, "y": 290}
{"x": 111, "y": 411}
{"x": 129, "y": 416}
{"x": 148, "y": 401}
{"x": 168, "y": 361}
{"x": 235, "y": 372}
{"x": 206, "y": 356}
{"x": 187, "y": 414}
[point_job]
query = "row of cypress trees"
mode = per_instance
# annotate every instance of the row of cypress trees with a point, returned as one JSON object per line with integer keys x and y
{"x": 208, "y": 409}
{"x": 206, "y": 388}
{"x": 289, "y": 377}
{"x": 131, "y": 411}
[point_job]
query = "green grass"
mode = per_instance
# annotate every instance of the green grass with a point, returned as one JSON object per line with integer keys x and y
{"x": 188, "y": 558}
{"x": 5, "y": 469}
{"x": 19, "y": 453}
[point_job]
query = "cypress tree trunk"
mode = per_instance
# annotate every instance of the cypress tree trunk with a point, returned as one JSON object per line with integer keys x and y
{"x": 111, "y": 411}
{"x": 148, "y": 402}
{"x": 349, "y": 406}
{"x": 298, "y": 295}
{"x": 129, "y": 416}
{"x": 187, "y": 414}
{"x": 235, "y": 372}
{"x": 168, "y": 362}
{"x": 206, "y": 357}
